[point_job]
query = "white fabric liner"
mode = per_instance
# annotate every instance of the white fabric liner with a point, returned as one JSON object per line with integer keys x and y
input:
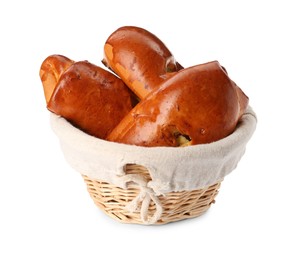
{"x": 171, "y": 168}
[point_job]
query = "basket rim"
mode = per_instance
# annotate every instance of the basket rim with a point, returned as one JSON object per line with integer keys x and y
{"x": 248, "y": 121}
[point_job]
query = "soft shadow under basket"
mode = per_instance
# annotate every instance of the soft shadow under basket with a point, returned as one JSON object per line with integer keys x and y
{"x": 152, "y": 185}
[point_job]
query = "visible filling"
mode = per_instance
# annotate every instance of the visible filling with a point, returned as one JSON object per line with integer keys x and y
{"x": 182, "y": 139}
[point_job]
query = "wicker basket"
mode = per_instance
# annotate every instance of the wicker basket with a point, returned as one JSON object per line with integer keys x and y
{"x": 176, "y": 206}
{"x": 155, "y": 185}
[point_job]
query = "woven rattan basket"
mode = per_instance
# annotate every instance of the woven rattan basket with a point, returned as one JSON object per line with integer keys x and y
{"x": 154, "y": 185}
{"x": 176, "y": 206}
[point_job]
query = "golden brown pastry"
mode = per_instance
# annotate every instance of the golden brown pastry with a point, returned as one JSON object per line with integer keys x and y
{"x": 197, "y": 105}
{"x": 91, "y": 98}
{"x": 51, "y": 69}
{"x": 140, "y": 59}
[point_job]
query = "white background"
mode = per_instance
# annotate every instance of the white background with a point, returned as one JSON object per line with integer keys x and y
{"x": 46, "y": 212}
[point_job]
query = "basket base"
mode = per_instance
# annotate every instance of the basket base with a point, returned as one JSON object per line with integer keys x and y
{"x": 176, "y": 205}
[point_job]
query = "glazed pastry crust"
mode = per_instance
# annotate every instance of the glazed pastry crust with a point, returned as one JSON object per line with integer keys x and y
{"x": 198, "y": 105}
{"x": 139, "y": 58}
{"x": 51, "y": 70}
{"x": 91, "y": 98}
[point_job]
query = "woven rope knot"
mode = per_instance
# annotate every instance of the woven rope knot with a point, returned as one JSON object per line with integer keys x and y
{"x": 145, "y": 196}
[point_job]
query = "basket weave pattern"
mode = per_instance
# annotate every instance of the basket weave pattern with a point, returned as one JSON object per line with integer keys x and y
{"x": 174, "y": 206}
